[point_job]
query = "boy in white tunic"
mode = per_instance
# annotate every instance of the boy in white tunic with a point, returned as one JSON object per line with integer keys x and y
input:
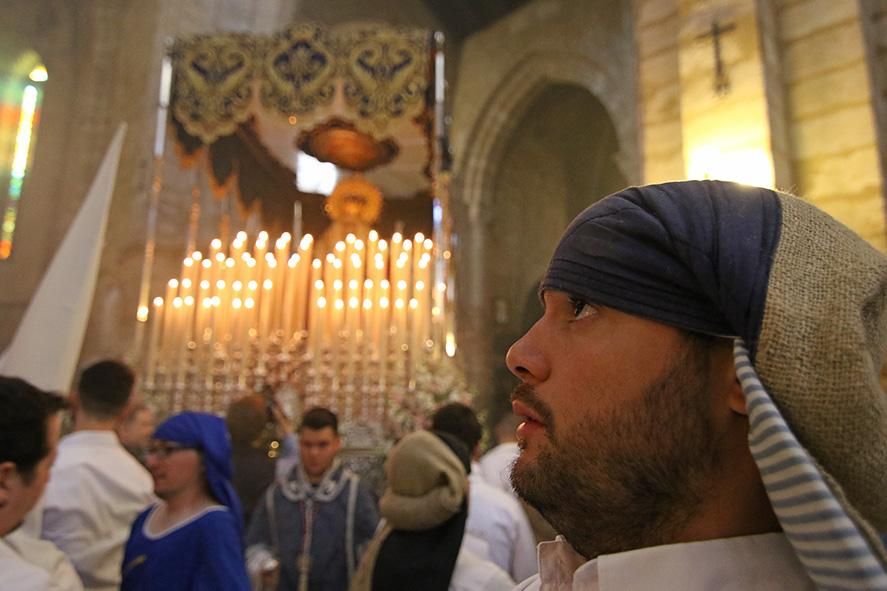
{"x": 29, "y": 434}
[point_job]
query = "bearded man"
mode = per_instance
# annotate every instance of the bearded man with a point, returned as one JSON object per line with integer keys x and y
{"x": 700, "y": 397}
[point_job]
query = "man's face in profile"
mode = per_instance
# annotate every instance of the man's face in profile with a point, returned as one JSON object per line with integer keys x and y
{"x": 617, "y": 431}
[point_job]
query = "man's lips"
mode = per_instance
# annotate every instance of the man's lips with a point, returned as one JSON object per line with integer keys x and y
{"x": 522, "y": 410}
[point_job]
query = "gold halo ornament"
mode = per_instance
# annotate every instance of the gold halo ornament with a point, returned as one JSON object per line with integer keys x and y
{"x": 354, "y": 200}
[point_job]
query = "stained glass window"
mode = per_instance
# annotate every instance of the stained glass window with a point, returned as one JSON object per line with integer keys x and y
{"x": 21, "y": 94}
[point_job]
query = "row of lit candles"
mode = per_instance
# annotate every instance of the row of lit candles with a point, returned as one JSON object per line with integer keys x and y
{"x": 375, "y": 295}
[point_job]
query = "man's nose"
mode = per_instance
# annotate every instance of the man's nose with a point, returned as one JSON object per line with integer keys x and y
{"x": 525, "y": 359}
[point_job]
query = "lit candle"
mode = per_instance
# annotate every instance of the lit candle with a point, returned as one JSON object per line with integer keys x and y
{"x": 304, "y": 276}
{"x": 154, "y": 339}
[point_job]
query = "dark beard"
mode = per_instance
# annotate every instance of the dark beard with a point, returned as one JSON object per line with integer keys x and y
{"x": 632, "y": 478}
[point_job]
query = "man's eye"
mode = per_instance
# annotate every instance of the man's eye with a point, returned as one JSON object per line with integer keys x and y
{"x": 581, "y": 309}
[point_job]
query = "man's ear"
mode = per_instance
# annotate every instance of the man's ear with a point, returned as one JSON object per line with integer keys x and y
{"x": 74, "y": 401}
{"x": 736, "y": 398}
{"x": 7, "y": 472}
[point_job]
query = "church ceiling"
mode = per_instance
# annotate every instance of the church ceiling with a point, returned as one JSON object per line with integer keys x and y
{"x": 464, "y": 17}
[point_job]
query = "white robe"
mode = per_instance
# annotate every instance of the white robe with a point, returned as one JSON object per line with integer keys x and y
{"x": 29, "y": 564}
{"x": 498, "y": 519}
{"x": 473, "y": 573}
{"x": 96, "y": 489}
{"x": 496, "y": 464}
{"x": 763, "y": 562}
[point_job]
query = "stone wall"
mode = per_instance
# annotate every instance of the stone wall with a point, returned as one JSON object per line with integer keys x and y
{"x": 834, "y": 138}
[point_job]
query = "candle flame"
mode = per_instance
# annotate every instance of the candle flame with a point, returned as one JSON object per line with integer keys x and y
{"x": 189, "y": 300}
{"x": 340, "y": 246}
{"x": 337, "y": 284}
{"x": 249, "y": 303}
{"x": 237, "y": 285}
{"x": 206, "y": 263}
{"x": 294, "y": 260}
{"x": 204, "y": 284}
{"x": 396, "y": 237}
{"x": 353, "y": 303}
{"x": 420, "y": 285}
{"x": 383, "y": 303}
{"x": 306, "y": 241}
{"x": 216, "y": 244}
{"x": 407, "y": 245}
{"x": 321, "y": 302}
{"x": 374, "y": 236}
{"x": 158, "y": 301}
{"x": 353, "y": 284}
{"x": 220, "y": 257}
{"x": 196, "y": 255}
{"x": 401, "y": 285}
{"x": 419, "y": 238}
{"x": 142, "y": 314}
{"x": 398, "y": 303}
{"x": 385, "y": 284}
{"x": 173, "y": 283}
{"x": 220, "y": 284}
{"x": 318, "y": 284}
{"x": 367, "y": 304}
{"x": 414, "y": 303}
{"x": 368, "y": 284}
{"x": 263, "y": 236}
{"x": 229, "y": 262}
{"x": 316, "y": 264}
{"x": 241, "y": 236}
{"x": 253, "y": 285}
{"x": 188, "y": 262}
{"x": 340, "y": 304}
{"x": 186, "y": 283}
{"x": 236, "y": 303}
{"x": 177, "y": 302}
{"x": 428, "y": 244}
{"x": 267, "y": 284}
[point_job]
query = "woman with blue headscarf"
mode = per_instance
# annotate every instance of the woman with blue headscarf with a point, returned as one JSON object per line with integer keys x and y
{"x": 192, "y": 539}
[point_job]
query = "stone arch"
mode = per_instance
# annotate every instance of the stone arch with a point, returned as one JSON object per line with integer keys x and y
{"x": 476, "y": 168}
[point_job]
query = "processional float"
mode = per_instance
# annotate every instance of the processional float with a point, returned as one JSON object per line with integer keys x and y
{"x": 343, "y": 301}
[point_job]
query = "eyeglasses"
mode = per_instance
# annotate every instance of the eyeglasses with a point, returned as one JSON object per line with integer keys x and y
{"x": 163, "y": 450}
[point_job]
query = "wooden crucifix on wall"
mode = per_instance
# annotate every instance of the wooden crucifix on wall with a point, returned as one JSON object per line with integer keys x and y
{"x": 722, "y": 80}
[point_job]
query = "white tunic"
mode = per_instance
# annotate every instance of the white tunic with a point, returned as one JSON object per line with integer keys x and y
{"x": 497, "y": 518}
{"x": 96, "y": 489}
{"x": 495, "y": 465}
{"x": 29, "y": 564}
{"x": 763, "y": 562}
{"x": 473, "y": 573}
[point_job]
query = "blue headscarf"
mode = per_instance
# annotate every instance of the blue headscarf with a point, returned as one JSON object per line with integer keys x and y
{"x": 208, "y": 434}
{"x": 695, "y": 255}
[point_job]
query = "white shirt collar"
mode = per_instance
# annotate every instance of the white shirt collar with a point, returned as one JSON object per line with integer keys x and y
{"x": 760, "y": 562}
{"x": 92, "y": 438}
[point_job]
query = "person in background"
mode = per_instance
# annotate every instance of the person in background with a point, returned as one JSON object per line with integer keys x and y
{"x": 700, "y": 398}
{"x": 495, "y": 465}
{"x": 192, "y": 539}
{"x": 30, "y": 424}
{"x": 254, "y": 468}
{"x": 494, "y": 516}
{"x": 135, "y": 431}
{"x": 97, "y": 488}
{"x": 316, "y": 521}
{"x": 425, "y": 508}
